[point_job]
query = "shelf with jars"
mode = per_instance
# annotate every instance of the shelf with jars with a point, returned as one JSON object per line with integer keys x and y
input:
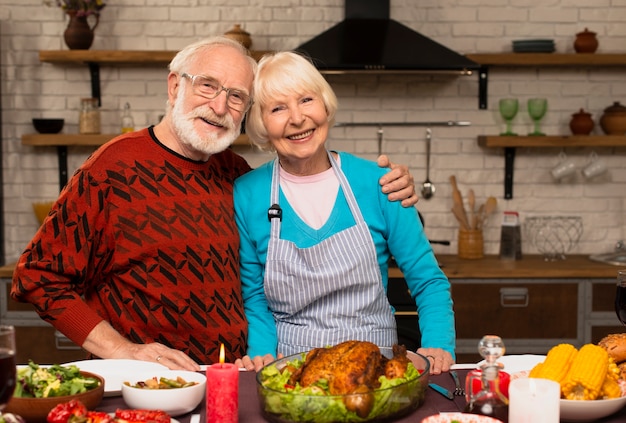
{"x": 94, "y": 59}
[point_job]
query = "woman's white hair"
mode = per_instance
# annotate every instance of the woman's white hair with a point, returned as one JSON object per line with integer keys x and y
{"x": 285, "y": 73}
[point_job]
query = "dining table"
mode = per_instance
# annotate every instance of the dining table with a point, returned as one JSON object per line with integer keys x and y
{"x": 250, "y": 408}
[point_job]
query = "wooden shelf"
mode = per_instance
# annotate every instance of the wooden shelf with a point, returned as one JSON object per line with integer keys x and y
{"x": 56, "y": 140}
{"x": 550, "y": 141}
{"x": 548, "y": 59}
{"x": 115, "y": 57}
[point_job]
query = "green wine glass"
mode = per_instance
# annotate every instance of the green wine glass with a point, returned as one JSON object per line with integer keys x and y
{"x": 537, "y": 108}
{"x": 508, "y": 110}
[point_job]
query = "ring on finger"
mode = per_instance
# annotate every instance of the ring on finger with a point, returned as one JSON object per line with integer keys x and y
{"x": 159, "y": 358}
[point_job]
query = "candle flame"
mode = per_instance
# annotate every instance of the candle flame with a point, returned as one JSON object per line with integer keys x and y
{"x": 222, "y": 354}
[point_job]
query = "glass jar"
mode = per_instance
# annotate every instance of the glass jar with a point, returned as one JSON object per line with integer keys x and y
{"x": 89, "y": 120}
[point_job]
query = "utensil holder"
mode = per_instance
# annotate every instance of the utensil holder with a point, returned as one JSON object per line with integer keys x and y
{"x": 470, "y": 244}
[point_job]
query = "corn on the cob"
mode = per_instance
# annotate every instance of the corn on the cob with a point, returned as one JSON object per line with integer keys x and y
{"x": 613, "y": 371}
{"x": 557, "y": 363}
{"x": 610, "y": 389}
{"x": 586, "y": 374}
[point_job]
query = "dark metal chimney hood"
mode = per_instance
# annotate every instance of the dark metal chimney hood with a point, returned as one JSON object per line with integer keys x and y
{"x": 368, "y": 41}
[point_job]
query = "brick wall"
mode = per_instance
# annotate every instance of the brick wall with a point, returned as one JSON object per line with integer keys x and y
{"x": 31, "y": 89}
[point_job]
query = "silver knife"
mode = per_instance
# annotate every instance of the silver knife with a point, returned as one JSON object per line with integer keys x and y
{"x": 443, "y": 391}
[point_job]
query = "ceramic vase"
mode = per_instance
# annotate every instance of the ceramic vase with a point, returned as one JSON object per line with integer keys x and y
{"x": 586, "y": 42}
{"x": 581, "y": 123}
{"x": 79, "y": 35}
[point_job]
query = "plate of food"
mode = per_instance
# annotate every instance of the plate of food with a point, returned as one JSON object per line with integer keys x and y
{"x": 116, "y": 371}
{"x": 320, "y": 385}
{"x": 577, "y": 404}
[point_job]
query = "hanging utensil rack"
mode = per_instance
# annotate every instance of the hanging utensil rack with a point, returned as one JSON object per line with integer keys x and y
{"x": 380, "y": 126}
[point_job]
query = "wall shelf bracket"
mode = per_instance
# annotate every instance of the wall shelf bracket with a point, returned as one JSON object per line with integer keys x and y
{"x": 62, "y": 157}
{"x": 94, "y": 72}
{"x": 509, "y": 160}
{"x": 483, "y": 79}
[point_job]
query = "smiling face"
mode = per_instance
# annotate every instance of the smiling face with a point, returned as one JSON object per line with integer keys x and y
{"x": 297, "y": 127}
{"x": 293, "y": 112}
{"x": 207, "y": 126}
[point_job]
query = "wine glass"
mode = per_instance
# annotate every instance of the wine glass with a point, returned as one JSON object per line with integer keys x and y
{"x": 537, "y": 108}
{"x": 620, "y": 296}
{"x": 508, "y": 109}
{"x": 7, "y": 364}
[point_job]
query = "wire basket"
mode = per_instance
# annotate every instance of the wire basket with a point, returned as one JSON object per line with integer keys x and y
{"x": 554, "y": 236}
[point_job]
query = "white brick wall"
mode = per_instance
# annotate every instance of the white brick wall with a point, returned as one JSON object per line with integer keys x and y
{"x": 30, "y": 89}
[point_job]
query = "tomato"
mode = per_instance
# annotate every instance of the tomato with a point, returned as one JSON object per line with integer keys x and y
{"x": 61, "y": 413}
{"x": 99, "y": 417}
{"x": 141, "y": 416}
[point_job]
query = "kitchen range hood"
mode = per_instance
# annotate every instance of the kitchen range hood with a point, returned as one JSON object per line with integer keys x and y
{"x": 368, "y": 41}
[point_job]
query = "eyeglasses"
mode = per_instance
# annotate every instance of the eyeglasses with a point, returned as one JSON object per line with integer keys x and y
{"x": 210, "y": 88}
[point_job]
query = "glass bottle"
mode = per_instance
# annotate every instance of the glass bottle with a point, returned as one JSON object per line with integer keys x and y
{"x": 489, "y": 401}
{"x": 89, "y": 121}
{"x": 128, "y": 125}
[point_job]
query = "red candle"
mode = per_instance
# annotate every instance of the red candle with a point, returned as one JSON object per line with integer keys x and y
{"x": 222, "y": 392}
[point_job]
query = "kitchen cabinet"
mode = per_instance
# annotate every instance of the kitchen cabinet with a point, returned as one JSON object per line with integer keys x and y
{"x": 36, "y": 339}
{"x": 532, "y": 304}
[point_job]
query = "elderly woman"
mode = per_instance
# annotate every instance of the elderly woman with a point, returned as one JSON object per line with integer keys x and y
{"x": 316, "y": 241}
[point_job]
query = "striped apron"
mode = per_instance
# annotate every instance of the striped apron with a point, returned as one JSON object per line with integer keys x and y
{"x": 330, "y": 292}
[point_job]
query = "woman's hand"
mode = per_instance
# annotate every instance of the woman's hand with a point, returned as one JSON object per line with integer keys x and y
{"x": 255, "y": 363}
{"x": 398, "y": 183}
{"x": 440, "y": 360}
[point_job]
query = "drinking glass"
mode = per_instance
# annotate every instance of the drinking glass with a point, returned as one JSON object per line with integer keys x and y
{"x": 7, "y": 364}
{"x": 508, "y": 109}
{"x": 620, "y": 296}
{"x": 537, "y": 108}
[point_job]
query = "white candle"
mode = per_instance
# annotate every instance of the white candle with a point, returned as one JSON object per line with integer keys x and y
{"x": 534, "y": 401}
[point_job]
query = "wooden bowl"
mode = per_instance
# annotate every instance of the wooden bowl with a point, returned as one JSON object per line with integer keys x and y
{"x": 35, "y": 410}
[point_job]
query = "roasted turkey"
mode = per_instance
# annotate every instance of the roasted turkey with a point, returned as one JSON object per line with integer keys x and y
{"x": 352, "y": 367}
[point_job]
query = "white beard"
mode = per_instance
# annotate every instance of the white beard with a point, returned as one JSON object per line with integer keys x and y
{"x": 183, "y": 124}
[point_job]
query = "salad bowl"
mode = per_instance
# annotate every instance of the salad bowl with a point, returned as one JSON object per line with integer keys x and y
{"x": 391, "y": 400}
{"x": 174, "y": 400}
{"x": 36, "y": 410}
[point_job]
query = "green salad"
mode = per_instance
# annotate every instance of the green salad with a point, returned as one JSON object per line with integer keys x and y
{"x": 314, "y": 404}
{"x": 34, "y": 381}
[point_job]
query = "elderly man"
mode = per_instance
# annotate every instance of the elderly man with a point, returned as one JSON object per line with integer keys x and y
{"x": 138, "y": 258}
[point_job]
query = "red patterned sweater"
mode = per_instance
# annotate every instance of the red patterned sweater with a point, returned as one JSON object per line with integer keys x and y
{"x": 148, "y": 239}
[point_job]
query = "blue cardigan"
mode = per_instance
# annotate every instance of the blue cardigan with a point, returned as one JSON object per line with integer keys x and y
{"x": 396, "y": 232}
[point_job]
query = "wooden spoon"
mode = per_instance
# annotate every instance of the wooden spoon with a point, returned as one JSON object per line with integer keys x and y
{"x": 457, "y": 198}
{"x": 471, "y": 201}
{"x": 460, "y": 216}
{"x": 490, "y": 206}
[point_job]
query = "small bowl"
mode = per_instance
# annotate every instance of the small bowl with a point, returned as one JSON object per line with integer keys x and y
{"x": 36, "y": 410}
{"x": 48, "y": 126}
{"x": 287, "y": 407}
{"x": 174, "y": 401}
